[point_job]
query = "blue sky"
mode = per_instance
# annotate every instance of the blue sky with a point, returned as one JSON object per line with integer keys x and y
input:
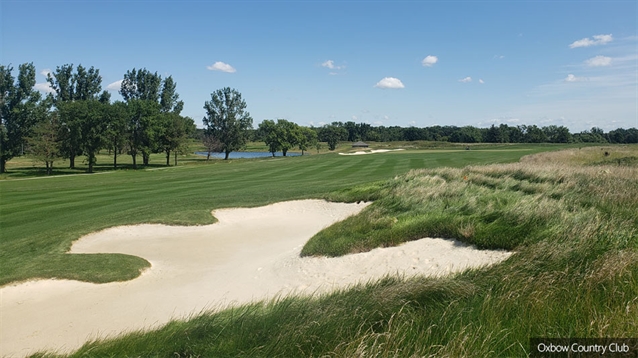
{"x": 421, "y": 63}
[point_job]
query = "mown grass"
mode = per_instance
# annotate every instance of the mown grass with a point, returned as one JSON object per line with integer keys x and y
{"x": 41, "y": 216}
{"x": 574, "y": 273}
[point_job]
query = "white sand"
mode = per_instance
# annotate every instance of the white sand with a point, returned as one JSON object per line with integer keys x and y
{"x": 250, "y": 254}
{"x": 371, "y": 151}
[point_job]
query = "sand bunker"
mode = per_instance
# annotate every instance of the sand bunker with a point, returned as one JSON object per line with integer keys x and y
{"x": 370, "y": 151}
{"x": 250, "y": 254}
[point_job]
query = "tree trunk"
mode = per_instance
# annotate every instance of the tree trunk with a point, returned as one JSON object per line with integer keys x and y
{"x": 72, "y": 161}
{"x": 92, "y": 161}
{"x": 226, "y": 157}
{"x": 145, "y": 158}
{"x": 114, "y": 155}
{"x": 168, "y": 157}
{"x": 302, "y": 152}
{"x": 175, "y": 158}
{"x": 284, "y": 151}
{"x": 208, "y": 156}
{"x": 3, "y": 164}
{"x": 134, "y": 160}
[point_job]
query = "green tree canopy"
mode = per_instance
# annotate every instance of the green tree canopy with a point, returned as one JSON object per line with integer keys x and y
{"x": 227, "y": 119}
{"x": 289, "y": 135}
{"x": 69, "y": 86}
{"x": 268, "y": 130}
{"x": 18, "y": 110}
{"x": 308, "y": 139}
{"x": 84, "y": 84}
{"x": 332, "y": 134}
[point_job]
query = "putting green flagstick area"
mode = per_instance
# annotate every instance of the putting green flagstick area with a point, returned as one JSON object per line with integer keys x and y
{"x": 569, "y": 216}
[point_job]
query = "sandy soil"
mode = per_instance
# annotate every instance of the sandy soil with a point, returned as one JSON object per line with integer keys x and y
{"x": 250, "y": 254}
{"x": 370, "y": 151}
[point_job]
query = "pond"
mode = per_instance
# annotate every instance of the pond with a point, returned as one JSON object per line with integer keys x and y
{"x": 237, "y": 155}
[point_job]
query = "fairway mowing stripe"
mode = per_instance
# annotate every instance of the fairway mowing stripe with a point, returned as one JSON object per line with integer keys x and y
{"x": 307, "y": 167}
{"x": 55, "y": 176}
{"x": 417, "y": 163}
{"x": 284, "y": 170}
{"x": 382, "y": 168}
{"x": 348, "y": 170}
{"x": 367, "y": 166}
{"x": 402, "y": 166}
{"x": 322, "y": 170}
{"x": 350, "y": 164}
{"x": 315, "y": 170}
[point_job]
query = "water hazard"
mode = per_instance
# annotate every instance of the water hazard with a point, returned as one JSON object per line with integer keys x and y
{"x": 238, "y": 155}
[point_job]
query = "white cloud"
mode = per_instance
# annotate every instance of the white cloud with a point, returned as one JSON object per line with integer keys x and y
{"x": 331, "y": 65}
{"x": 221, "y": 66}
{"x": 572, "y": 78}
{"x": 481, "y": 81}
{"x": 390, "y": 82}
{"x": 45, "y": 72}
{"x": 115, "y": 86}
{"x": 597, "y": 40}
{"x": 44, "y": 87}
{"x": 354, "y": 118}
{"x": 466, "y": 79}
{"x": 598, "y": 61}
{"x": 429, "y": 61}
{"x": 499, "y": 57}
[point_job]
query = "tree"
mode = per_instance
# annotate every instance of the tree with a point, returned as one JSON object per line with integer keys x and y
{"x": 116, "y": 115}
{"x": 289, "y": 135}
{"x": 308, "y": 139}
{"x": 18, "y": 105}
{"x": 93, "y": 128}
{"x": 332, "y": 134}
{"x": 227, "y": 119}
{"x": 175, "y": 132}
{"x": 90, "y": 124}
{"x": 494, "y": 135}
{"x": 43, "y": 142}
{"x": 467, "y": 134}
{"x": 353, "y": 134}
{"x": 151, "y": 98}
{"x": 169, "y": 99}
{"x": 141, "y": 128}
{"x": 82, "y": 85}
{"x": 268, "y": 130}
{"x": 141, "y": 85}
{"x": 556, "y": 134}
{"x": 212, "y": 144}
{"x": 533, "y": 134}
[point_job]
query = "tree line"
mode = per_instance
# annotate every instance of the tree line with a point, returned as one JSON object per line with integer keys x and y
{"x": 352, "y": 132}
{"x": 78, "y": 118}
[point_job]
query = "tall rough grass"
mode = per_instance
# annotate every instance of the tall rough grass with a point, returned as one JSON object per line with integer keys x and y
{"x": 574, "y": 273}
